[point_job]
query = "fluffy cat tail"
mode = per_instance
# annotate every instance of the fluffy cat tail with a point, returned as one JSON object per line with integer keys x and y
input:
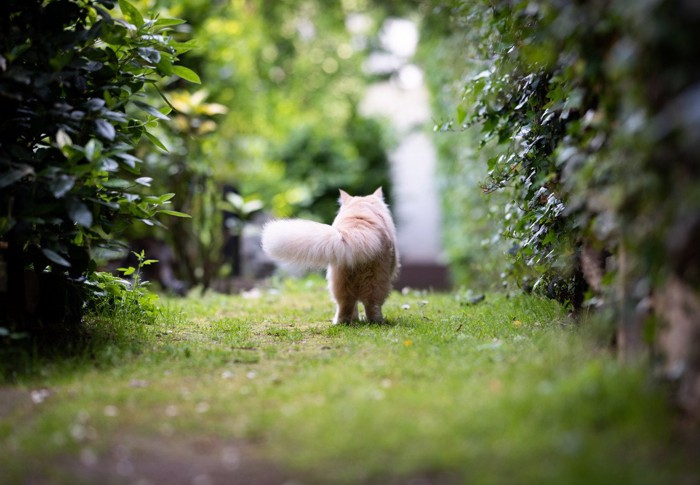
{"x": 315, "y": 245}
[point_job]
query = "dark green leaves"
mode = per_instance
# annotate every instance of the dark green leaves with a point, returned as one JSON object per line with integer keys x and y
{"x": 79, "y": 213}
{"x": 94, "y": 104}
{"x": 77, "y": 81}
{"x": 517, "y": 101}
{"x": 61, "y": 184}
{"x": 54, "y": 257}
{"x": 14, "y": 174}
{"x": 105, "y": 129}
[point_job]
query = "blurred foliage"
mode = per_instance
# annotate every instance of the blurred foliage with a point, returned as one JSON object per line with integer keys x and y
{"x": 359, "y": 162}
{"x": 472, "y": 241}
{"x": 73, "y": 83}
{"x": 277, "y": 121}
{"x": 587, "y": 114}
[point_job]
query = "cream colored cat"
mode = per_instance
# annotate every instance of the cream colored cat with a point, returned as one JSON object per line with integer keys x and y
{"x": 359, "y": 250}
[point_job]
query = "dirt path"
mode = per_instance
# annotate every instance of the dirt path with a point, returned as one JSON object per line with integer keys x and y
{"x": 129, "y": 457}
{"x": 175, "y": 460}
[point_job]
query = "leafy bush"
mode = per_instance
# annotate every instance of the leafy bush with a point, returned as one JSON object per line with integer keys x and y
{"x": 506, "y": 99}
{"x": 122, "y": 298}
{"x": 72, "y": 78}
{"x": 569, "y": 99}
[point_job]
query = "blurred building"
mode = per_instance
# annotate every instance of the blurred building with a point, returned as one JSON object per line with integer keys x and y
{"x": 403, "y": 100}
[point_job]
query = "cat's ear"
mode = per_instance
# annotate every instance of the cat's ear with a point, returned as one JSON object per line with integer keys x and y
{"x": 344, "y": 197}
{"x": 379, "y": 193}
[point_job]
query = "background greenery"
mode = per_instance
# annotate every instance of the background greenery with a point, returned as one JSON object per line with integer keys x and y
{"x": 277, "y": 122}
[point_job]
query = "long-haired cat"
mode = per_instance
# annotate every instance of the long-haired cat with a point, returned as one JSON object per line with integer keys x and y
{"x": 359, "y": 249}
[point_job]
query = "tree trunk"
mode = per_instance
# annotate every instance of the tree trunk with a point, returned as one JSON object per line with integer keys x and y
{"x": 632, "y": 313}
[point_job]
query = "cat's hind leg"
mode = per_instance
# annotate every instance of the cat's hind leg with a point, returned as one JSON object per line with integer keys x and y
{"x": 373, "y": 310}
{"x": 346, "y": 312}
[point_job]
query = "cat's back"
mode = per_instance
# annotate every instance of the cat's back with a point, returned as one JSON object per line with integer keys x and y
{"x": 370, "y": 216}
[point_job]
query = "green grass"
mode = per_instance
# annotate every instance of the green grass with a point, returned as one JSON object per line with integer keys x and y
{"x": 506, "y": 391}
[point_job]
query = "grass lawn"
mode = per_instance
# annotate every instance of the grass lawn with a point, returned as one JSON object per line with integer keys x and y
{"x": 261, "y": 388}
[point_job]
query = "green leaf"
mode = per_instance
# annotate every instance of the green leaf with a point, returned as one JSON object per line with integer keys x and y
{"x": 155, "y": 141}
{"x": 149, "y": 54}
{"x": 168, "y": 22}
{"x": 165, "y": 65}
{"x": 131, "y": 13}
{"x": 141, "y": 210}
{"x": 549, "y": 238}
{"x": 12, "y": 176}
{"x": 174, "y": 213}
{"x": 61, "y": 184}
{"x": 461, "y": 114}
{"x": 80, "y": 214}
{"x": 252, "y": 206}
{"x": 186, "y": 74}
{"x": 151, "y": 110}
{"x": 158, "y": 199}
{"x": 105, "y": 129}
{"x": 235, "y": 200}
{"x": 62, "y": 139}
{"x": 129, "y": 159}
{"x": 127, "y": 271}
{"x": 113, "y": 33}
{"x": 116, "y": 184}
{"x": 93, "y": 149}
{"x": 54, "y": 257}
{"x": 182, "y": 47}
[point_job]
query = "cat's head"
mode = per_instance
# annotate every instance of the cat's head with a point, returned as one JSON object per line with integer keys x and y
{"x": 346, "y": 198}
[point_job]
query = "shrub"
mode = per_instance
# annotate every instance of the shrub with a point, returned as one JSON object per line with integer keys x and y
{"x": 571, "y": 97}
{"x": 72, "y": 78}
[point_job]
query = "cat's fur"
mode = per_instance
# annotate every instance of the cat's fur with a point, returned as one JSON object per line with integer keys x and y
{"x": 359, "y": 250}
